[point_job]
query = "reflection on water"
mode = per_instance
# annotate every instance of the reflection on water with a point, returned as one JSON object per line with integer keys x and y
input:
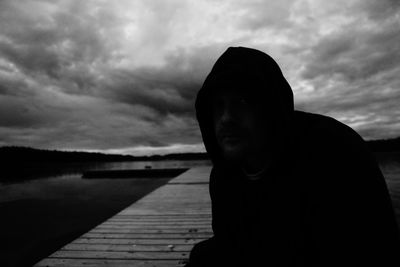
{"x": 28, "y": 171}
{"x": 153, "y": 164}
{"x": 71, "y": 185}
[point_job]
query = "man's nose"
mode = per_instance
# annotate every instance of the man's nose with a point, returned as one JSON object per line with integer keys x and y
{"x": 228, "y": 114}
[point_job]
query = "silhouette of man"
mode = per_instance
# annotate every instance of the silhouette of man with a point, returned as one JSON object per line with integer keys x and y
{"x": 288, "y": 188}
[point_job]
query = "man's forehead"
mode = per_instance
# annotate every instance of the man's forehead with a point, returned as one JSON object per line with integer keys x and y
{"x": 229, "y": 92}
{"x": 230, "y": 85}
{"x": 238, "y": 80}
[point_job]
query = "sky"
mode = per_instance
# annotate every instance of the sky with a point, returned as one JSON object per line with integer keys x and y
{"x": 122, "y": 76}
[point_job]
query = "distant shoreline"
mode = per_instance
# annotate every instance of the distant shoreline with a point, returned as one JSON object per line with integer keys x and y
{"x": 27, "y": 154}
{"x": 24, "y": 163}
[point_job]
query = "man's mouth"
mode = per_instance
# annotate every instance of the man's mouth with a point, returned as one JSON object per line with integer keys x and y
{"x": 230, "y": 138}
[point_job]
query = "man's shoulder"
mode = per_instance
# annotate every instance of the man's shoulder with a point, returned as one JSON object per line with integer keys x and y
{"x": 323, "y": 135}
{"x": 316, "y": 121}
{"x": 318, "y": 126}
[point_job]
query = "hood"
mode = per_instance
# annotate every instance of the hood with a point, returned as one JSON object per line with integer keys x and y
{"x": 250, "y": 71}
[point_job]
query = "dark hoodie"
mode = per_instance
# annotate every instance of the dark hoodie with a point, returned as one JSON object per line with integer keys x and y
{"x": 323, "y": 202}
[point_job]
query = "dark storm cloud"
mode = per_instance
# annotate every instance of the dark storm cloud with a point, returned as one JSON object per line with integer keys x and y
{"x": 260, "y": 15}
{"x": 368, "y": 46}
{"x": 146, "y": 89}
{"x": 83, "y": 99}
{"x": 171, "y": 88}
{"x": 67, "y": 51}
{"x": 123, "y": 76}
{"x": 354, "y": 71}
{"x": 63, "y": 84}
{"x": 14, "y": 114}
{"x": 49, "y": 45}
{"x": 355, "y": 58}
{"x": 381, "y": 10}
{"x": 14, "y": 86}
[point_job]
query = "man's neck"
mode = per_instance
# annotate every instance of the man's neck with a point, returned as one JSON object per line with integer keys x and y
{"x": 256, "y": 164}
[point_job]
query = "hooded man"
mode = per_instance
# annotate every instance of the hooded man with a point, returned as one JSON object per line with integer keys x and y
{"x": 288, "y": 188}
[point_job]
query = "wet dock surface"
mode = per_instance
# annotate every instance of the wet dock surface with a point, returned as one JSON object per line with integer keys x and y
{"x": 158, "y": 230}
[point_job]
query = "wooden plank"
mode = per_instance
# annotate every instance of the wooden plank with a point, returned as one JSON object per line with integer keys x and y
{"x": 58, "y": 262}
{"x": 146, "y": 236}
{"x": 168, "y": 219}
{"x": 158, "y": 230}
{"x": 153, "y": 227}
{"x": 183, "y": 218}
{"x": 161, "y": 215}
{"x": 193, "y": 176}
{"x": 133, "y": 255}
{"x": 159, "y": 241}
{"x": 122, "y": 247}
{"x": 159, "y": 222}
{"x": 134, "y": 222}
{"x": 151, "y": 231}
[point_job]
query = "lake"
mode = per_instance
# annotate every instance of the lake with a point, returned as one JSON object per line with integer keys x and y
{"x": 40, "y": 215}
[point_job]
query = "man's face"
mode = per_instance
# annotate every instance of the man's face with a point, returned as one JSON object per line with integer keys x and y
{"x": 239, "y": 125}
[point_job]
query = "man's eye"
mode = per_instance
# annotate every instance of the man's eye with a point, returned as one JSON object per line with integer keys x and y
{"x": 244, "y": 101}
{"x": 217, "y": 103}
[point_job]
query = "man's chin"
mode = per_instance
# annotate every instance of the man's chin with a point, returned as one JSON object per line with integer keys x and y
{"x": 232, "y": 153}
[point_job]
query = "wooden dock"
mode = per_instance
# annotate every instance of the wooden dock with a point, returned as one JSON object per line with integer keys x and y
{"x": 158, "y": 230}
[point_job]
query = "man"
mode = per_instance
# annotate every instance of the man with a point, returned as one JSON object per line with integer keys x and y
{"x": 288, "y": 188}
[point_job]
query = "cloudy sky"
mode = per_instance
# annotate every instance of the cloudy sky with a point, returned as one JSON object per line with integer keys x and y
{"x": 122, "y": 76}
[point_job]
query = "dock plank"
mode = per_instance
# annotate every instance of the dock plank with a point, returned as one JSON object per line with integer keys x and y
{"x": 108, "y": 262}
{"x": 146, "y": 236}
{"x": 133, "y": 255}
{"x": 158, "y": 230}
{"x": 122, "y": 247}
{"x": 155, "y": 241}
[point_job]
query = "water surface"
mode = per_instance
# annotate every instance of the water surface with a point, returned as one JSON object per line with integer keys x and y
{"x": 39, "y": 216}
